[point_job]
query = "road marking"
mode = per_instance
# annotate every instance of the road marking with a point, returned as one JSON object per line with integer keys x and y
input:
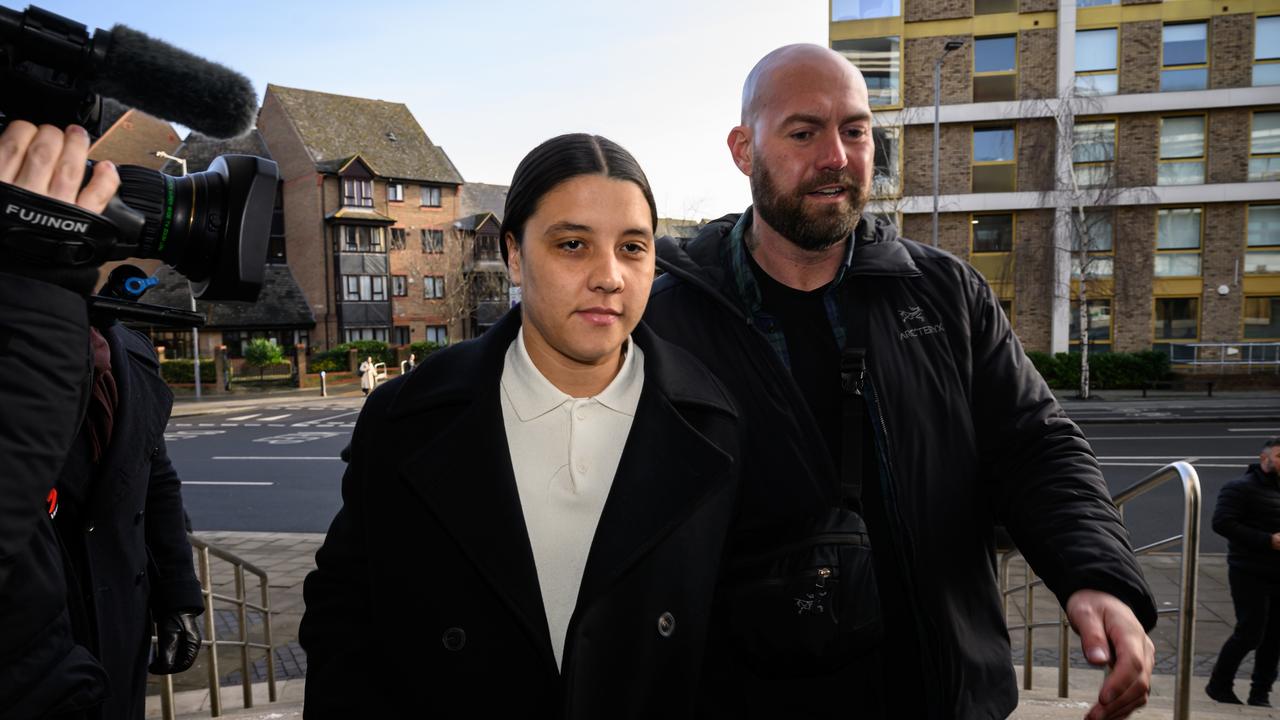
{"x": 275, "y": 457}
{"x": 296, "y": 438}
{"x": 274, "y": 417}
{"x": 188, "y": 434}
{"x": 1141, "y": 464}
{"x": 1253, "y": 429}
{"x": 207, "y": 424}
{"x": 245, "y": 417}
{"x": 225, "y": 482}
{"x": 324, "y": 419}
{"x": 1172, "y": 458}
{"x": 1096, "y": 438}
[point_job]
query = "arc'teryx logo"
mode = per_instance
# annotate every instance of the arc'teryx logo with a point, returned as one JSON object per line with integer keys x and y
{"x": 914, "y": 314}
{"x": 39, "y": 219}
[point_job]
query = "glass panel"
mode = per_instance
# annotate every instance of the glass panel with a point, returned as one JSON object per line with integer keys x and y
{"x": 1093, "y": 175}
{"x": 1266, "y": 133}
{"x": 863, "y": 9}
{"x": 1264, "y": 169}
{"x": 1266, "y": 38}
{"x": 1266, "y": 74}
{"x": 887, "y": 170}
{"x": 1099, "y": 319}
{"x": 995, "y": 88}
{"x": 1181, "y": 173}
{"x": 1094, "y": 142}
{"x": 988, "y": 7}
{"x": 1096, "y": 226}
{"x": 1189, "y": 79}
{"x": 1100, "y": 266}
{"x": 1262, "y": 262}
{"x": 1095, "y": 50}
{"x": 1181, "y": 137}
{"x": 1185, "y": 44}
{"x": 994, "y": 178}
{"x": 1108, "y": 84}
{"x": 879, "y": 60}
{"x": 1177, "y": 264}
{"x": 1261, "y": 317}
{"x": 1176, "y": 318}
{"x": 993, "y": 144}
{"x": 1178, "y": 228}
{"x": 995, "y": 54}
{"x": 1264, "y": 225}
{"x": 992, "y": 233}
{"x": 1092, "y": 3}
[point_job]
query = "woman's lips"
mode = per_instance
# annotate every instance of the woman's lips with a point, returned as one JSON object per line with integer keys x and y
{"x": 600, "y": 316}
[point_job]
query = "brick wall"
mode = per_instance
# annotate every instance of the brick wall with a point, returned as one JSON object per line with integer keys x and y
{"x": 1134, "y": 265}
{"x": 1140, "y": 56}
{"x": 1223, "y": 243}
{"x": 917, "y": 10}
{"x": 1231, "y": 51}
{"x": 1030, "y": 6}
{"x": 953, "y": 231}
{"x": 1033, "y": 278}
{"x": 414, "y": 310}
{"x": 1037, "y": 64}
{"x": 1228, "y": 145}
{"x": 1137, "y": 150}
{"x": 1037, "y": 148}
{"x": 955, "y": 143}
{"x": 917, "y": 72}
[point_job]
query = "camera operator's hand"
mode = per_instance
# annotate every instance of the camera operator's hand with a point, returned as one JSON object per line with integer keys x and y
{"x": 51, "y": 162}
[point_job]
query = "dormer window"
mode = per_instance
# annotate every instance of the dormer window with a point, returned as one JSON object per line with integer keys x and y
{"x": 357, "y": 192}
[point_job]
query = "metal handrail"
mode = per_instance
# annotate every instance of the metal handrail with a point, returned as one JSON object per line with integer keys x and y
{"x": 1246, "y": 354}
{"x": 1190, "y": 539}
{"x": 243, "y": 606}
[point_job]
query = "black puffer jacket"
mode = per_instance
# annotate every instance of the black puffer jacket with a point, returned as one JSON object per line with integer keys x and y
{"x": 1248, "y": 512}
{"x": 968, "y": 435}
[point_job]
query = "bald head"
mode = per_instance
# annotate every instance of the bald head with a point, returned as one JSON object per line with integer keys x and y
{"x": 777, "y": 71}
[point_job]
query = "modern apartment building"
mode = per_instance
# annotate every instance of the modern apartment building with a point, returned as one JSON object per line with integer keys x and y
{"x": 1133, "y": 144}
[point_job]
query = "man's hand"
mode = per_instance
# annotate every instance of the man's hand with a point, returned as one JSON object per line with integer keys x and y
{"x": 178, "y": 643}
{"x": 48, "y": 161}
{"x": 1105, "y": 624}
{"x": 1275, "y": 541}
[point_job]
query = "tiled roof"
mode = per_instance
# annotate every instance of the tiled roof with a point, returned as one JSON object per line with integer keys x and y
{"x": 476, "y": 198}
{"x": 200, "y": 150}
{"x": 385, "y": 134}
{"x": 132, "y": 137}
{"x": 281, "y": 303}
{"x": 472, "y": 222}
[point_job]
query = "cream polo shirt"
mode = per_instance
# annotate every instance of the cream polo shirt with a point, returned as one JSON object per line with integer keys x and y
{"x": 564, "y": 454}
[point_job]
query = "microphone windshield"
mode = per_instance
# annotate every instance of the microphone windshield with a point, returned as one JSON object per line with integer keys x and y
{"x": 173, "y": 84}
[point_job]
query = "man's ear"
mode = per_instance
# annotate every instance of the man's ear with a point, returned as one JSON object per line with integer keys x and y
{"x": 513, "y": 259}
{"x": 740, "y": 147}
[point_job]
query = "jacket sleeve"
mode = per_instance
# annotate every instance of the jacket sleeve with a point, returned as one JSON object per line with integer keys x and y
{"x": 1046, "y": 484}
{"x": 174, "y": 586}
{"x": 1229, "y": 519}
{"x": 337, "y": 626}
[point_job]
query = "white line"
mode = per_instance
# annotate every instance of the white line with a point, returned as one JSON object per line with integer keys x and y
{"x": 227, "y": 482}
{"x": 276, "y": 425}
{"x": 182, "y": 424}
{"x": 1253, "y": 429}
{"x": 320, "y": 420}
{"x": 275, "y": 457}
{"x": 274, "y": 417}
{"x": 253, "y": 424}
{"x": 1171, "y": 458}
{"x": 1139, "y": 464}
{"x": 245, "y": 417}
{"x": 207, "y": 424}
{"x": 1094, "y": 438}
{"x": 230, "y": 424}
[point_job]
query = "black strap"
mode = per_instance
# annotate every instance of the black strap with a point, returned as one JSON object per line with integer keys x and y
{"x": 853, "y": 370}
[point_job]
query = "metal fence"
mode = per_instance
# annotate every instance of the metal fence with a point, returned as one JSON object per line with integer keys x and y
{"x": 243, "y": 606}
{"x": 1251, "y": 357}
{"x": 1186, "y": 609}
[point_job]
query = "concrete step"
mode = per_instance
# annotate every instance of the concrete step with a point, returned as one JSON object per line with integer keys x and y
{"x": 193, "y": 704}
{"x": 1042, "y": 702}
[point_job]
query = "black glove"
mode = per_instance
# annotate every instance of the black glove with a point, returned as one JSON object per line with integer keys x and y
{"x": 178, "y": 637}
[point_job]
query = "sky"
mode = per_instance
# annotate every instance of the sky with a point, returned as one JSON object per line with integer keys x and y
{"x": 489, "y": 80}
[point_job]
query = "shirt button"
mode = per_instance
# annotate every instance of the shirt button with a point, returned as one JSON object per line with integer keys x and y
{"x": 581, "y": 415}
{"x": 582, "y": 467}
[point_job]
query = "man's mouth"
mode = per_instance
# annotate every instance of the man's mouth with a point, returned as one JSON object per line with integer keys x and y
{"x": 829, "y": 191}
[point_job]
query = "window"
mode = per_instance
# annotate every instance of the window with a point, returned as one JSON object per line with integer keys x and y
{"x": 430, "y": 196}
{"x": 365, "y": 333}
{"x": 863, "y": 9}
{"x": 887, "y": 180}
{"x": 1177, "y": 318}
{"x": 1093, "y": 152}
{"x": 1096, "y": 62}
{"x": 1262, "y": 318}
{"x": 359, "y": 238}
{"x": 433, "y": 287}
{"x": 994, "y": 167}
{"x": 989, "y": 7}
{"x": 1007, "y": 307}
{"x": 1266, "y": 51}
{"x": 1098, "y": 314}
{"x": 1181, "y": 150}
{"x": 1262, "y": 250}
{"x": 1097, "y": 230}
{"x": 1186, "y": 52}
{"x": 1094, "y": 3}
{"x": 1177, "y": 242}
{"x": 992, "y": 233}
{"x": 357, "y": 192}
{"x": 400, "y": 333}
{"x": 880, "y": 60}
{"x": 995, "y": 68}
{"x": 432, "y": 241}
{"x": 399, "y": 285}
{"x": 1264, "y": 147}
{"x": 395, "y": 192}
{"x": 438, "y": 334}
{"x": 364, "y": 288}
{"x": 397, "y": 238}
{"x": 486, "y": 248}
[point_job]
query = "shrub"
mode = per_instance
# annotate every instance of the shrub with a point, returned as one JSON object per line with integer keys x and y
{"x": 327, "y": 361}
{"x": 378, "y": 350}
{"x": 1107, "y": 371}
{"x": 261, "y": 353}
{"x": 182, "y": 372}
{"x": 423, "y": 348}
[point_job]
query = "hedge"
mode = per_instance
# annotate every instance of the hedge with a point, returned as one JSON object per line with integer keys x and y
{"x": 1107, "y": 371}
{"x": 182, "y": 372}
{"x": 423, "y": 348}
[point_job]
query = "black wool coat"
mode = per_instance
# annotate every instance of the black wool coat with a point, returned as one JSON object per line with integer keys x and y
{"x": 425, "y": 599}
{"x": 1247, "y": 513}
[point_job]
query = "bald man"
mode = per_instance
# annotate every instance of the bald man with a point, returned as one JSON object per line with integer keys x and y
{"x": 877, "y": 379}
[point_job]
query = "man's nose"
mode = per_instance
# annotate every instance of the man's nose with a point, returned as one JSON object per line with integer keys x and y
{"x": 832, "y": 153}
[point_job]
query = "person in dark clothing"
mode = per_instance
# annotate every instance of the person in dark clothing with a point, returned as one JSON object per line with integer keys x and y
{"x": 1248, "y": 516}
{"x": 963, "y": 433}
{"x": 92, "y": 546}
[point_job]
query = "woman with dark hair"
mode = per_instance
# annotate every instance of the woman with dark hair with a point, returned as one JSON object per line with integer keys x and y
{"x": 515, "y": 540}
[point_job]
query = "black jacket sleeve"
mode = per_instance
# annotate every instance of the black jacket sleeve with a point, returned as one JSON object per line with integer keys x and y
{"x": 1046, "y": 484}
{"x": 174, "y": 586}
{"x": 1230, "y": 518}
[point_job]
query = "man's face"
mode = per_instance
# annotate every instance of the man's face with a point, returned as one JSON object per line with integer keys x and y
{"x": 811, "y": 152}
{"x": 1270, "y": 459}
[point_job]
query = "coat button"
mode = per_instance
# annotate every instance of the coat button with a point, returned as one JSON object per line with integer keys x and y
{"x": 137, "y": 518}
{"x": 137, "y": 580}
{"x": 454, "y": 639}
{"x": 90, "y": 528}
{"x": 666, "y": 624}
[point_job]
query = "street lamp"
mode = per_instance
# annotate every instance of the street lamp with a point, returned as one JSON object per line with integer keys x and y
{"x": 937, "y": 92}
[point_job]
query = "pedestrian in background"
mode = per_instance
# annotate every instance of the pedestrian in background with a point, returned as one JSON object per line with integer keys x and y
{"x": 367, "y": 377}
{"x": 1248, "y": 516}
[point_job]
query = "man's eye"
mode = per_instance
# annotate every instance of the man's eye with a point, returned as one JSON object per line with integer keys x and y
{"x": 802, "y": 135}
{"x": 633, "y": 248}
{"x": 571, "y": 244}
{"x": 855, "y": 132}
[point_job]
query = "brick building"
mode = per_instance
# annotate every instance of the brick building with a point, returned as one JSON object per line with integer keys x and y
{"x": 1143, "y": 135}
{"x": 370, "y": 202}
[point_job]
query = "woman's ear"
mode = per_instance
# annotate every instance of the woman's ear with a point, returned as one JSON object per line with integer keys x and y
{"x": 513, "y": 259}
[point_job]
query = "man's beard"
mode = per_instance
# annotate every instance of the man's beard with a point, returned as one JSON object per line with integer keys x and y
{"x": 815, "y": 230}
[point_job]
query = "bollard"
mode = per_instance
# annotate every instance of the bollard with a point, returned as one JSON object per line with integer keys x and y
{"x": 324, "y": 388}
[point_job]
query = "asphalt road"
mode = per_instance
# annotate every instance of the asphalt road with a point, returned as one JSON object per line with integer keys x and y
{"x": 276, "y": 468}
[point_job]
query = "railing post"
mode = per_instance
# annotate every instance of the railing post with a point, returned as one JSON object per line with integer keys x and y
{"x": 245, "y": 681}
{"x": 206, "y": 579}
{"x": 1190, "y": 568}
{"x": 1064, "y": 646}
{"x": 1028, "y": 594}
{"x": 167, "y": 710}
{"x": 271, "y": 651}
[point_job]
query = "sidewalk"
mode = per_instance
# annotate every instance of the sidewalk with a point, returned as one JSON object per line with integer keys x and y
{"x": 1128, "y": 406}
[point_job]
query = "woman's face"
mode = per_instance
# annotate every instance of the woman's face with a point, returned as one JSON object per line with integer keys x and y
{"x": 585, "y": 269}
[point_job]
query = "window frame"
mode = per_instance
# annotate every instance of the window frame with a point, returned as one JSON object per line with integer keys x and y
{"x": 1248, "y": 248}
{"x": 1073, "y": 307}
{"x": 975, "y": 163}
{"x": 1115, "y": 145}
{"x": 1208, "y": 55}
{"x": 1267, "y": 61}
{"x": 395, "y": 192}
{"x": 1108, "y": 253}
{"x": 1244, "y": 304}
{"x": 1198, "y": 250}
{"x": 1273, "y": 158}
{"x": 432, "y": 287}
{"x": 432, "y": 241}
{"x": 439, "y": 330}
{"x": 1156, "y": 299}
{"x": 896, "y": 75}
{"x": 399, "y": 286}
{"x": 880, "y": 190}
{"x": 977, "y": 75}
{"x": 834, "y": 19}
{"x": 1202, "y": 159}
{"x": 363, "y": 194}
{"x": 1114, "y": 71}
{"x": 435, "y": 192}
